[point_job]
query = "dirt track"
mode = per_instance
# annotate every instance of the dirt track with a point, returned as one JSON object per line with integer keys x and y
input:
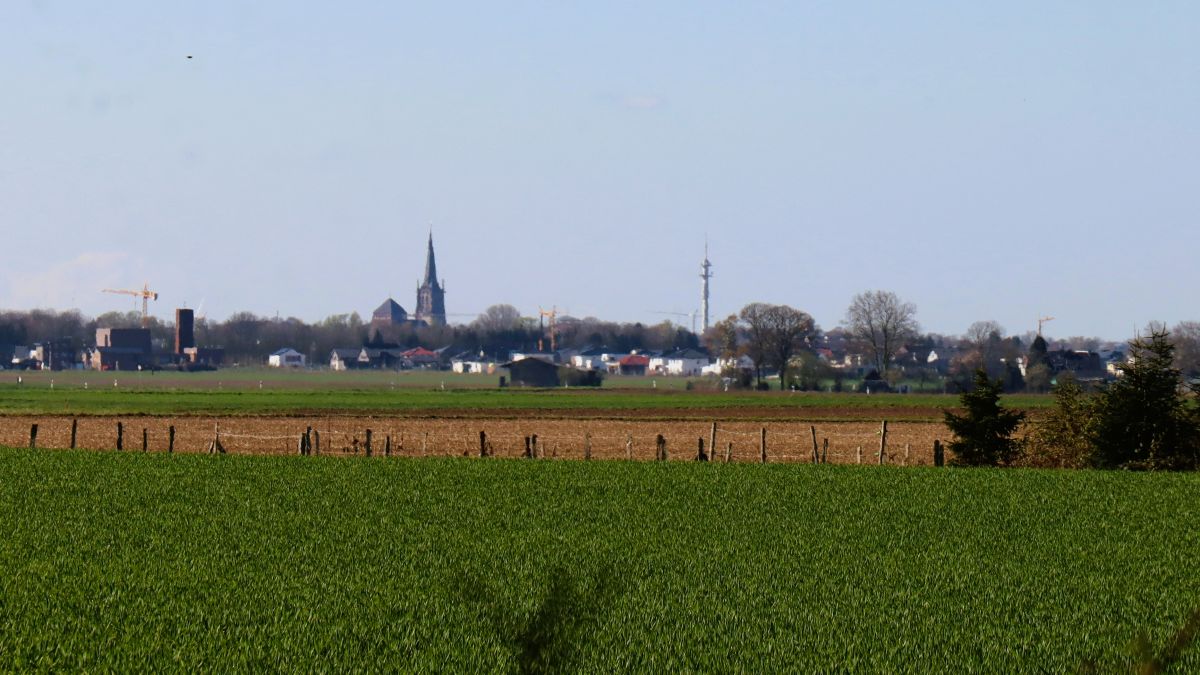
{"x": 787, "y": 440}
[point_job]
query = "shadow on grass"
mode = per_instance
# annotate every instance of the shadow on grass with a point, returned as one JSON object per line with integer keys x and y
{"x": 547, "y": 640}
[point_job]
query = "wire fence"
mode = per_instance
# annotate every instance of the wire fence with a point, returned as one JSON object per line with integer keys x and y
{"x": 850, "y": 441}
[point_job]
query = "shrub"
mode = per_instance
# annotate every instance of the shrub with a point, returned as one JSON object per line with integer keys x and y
{"x": 1063, "y": 437}
{"x": 983, "y": 435}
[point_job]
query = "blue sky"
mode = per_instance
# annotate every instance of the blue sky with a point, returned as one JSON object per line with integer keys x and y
{"x": 983, "y": 162}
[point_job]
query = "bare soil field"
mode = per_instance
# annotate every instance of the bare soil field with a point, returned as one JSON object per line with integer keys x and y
{"x": 908, "y": 441}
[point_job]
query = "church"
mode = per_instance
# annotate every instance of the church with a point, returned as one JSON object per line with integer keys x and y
{"x": 430, "y": 308}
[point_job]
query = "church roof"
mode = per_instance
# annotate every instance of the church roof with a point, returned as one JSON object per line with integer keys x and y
{"x": 390, "y": 311}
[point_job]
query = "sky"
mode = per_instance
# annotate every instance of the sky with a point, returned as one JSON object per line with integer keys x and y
{"x": 982, "y": 160}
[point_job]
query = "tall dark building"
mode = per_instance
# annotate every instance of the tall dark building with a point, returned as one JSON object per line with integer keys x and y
{"x": 185, "y": 336}
{"x": 431, "y": 295}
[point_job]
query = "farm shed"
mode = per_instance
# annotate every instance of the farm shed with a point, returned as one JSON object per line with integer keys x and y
{"x": 286, "y": 358}
{"x": 532, "y": 372}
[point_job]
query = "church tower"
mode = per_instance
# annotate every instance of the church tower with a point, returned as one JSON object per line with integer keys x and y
{"x": 431, "y": 295}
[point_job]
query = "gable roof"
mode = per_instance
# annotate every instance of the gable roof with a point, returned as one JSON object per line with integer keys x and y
{"x": 390, "y": 311}
{"x": 285, "y": 350}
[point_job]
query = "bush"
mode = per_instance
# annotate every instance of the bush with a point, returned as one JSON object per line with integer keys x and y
{"x": 983, "y": 436}
{"x": 1063, "y": 437}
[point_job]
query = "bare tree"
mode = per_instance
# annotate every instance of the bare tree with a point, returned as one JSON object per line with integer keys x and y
{"x": 981, "y": 332}
{"x": 1186, "y": 336}
{"x": 498, "y": 318}
{"x": 722, "y": 339}
{"x": 774, "y": 333}
{"x": 754, "y": 317}
{"x": 880, "y": 322}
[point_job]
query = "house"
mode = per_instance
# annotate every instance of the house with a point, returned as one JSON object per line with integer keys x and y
{"x": 470, "y": 362}
{"x": 381, "y": 359}
{"x": 532, "y": 372}
{"x": 419, "y": 357}
{"x": 742, "y": 363}
{"x": 286, "y": 358}
{"x": 548, "y": 357}
{"x": 598, "y": 358}
{"x": 634, "y": 364}
{"x": 682, "y": 362}
{"x": 121, "y": 349}
{"x": 343, "y": 359}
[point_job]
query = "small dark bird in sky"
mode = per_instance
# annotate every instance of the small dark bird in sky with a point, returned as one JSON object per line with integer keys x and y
{"x": 189, "y": 56}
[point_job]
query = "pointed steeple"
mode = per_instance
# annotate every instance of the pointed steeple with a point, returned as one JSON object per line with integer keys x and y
{"x": 430, "y": 264}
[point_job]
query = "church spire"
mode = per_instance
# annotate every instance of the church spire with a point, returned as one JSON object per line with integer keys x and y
{"x": 430, "y": 264}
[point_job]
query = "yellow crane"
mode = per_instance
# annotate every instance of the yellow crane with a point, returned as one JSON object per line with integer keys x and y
{"x": 552, "y": 314}
{"x": 145, "y": 294}
{"x": 1041, "y": 320}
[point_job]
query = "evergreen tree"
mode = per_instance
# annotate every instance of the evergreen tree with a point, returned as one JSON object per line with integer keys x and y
{"x": 983, "y": 435}
{"x": 1142, "y": 419}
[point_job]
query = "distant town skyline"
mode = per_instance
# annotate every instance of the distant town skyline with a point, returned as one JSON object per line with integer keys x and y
{"x": 983, "y": 162}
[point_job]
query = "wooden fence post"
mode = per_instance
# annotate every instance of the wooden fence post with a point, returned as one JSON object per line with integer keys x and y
{"x": 712, "y": 442}
{"x": 883, "y": 443}
{"x": 74, "y": 429}
{"x": 860, "y": 454}
{"x": 171, "y": 439}
{"x": 528, "y": 449}
{"x": 939, "y": 454}
{"x": 762, "y": 444}
{"x": 587, "y": 445}
{"x": 145, "y": 440}
{"x": 317, "y": 441}
{"x": 824, "y": 450}
{"x": 482, "y": 443}
{"x": 728, "y": 452}
{"x": 700, "y": 456}
{"x": 628, "y": 446}
{"x": 906, "y": 454}
{"x": 387, "y": 446}
{"x": 660, "y": 448}
{"x": 536, "y": 454}
{"x": 120, "y": 436}
{"x": 815, "y": 456}
{"x": 300, "y": 446}
{"x": 424, "y": 443}
{"x": 33, "y": 436}
{"x": 368, "y": 445}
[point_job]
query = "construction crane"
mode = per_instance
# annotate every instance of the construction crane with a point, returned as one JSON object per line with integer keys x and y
{"x": 1041, "y": 320}
{"x": 552, "y": 314}
{"x": 145, "y": 294}
{"x": 690, "y": 315}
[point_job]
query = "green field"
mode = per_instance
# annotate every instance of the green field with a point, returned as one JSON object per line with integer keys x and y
{"x": 271, "y": 391}
{"x": 154, "y": 562}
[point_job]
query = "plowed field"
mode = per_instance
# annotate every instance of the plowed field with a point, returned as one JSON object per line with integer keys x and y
{"x": 788, "y": 440}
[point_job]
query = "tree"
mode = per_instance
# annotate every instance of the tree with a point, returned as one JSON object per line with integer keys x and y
{"x": 983, "y": 434}
{"x": 1186, "y": 337}
{"x": 1142, "y": 419}
{"x": 1063, "y": 437}
{"x": 498, "y": 319}
{"x": 753, "y": 316}
{"x": 722, "y": 339}
{"x": 880, "y": 322}
{"x": 774, "y": 333}
{"x": 789, "y": 330}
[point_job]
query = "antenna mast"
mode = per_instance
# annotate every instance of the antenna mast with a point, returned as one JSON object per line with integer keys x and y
{"x": 705, "y": 275}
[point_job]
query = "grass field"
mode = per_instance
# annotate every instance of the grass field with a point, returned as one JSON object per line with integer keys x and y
{"x": 270, "y": 391}
{"x": 154, "y": 562}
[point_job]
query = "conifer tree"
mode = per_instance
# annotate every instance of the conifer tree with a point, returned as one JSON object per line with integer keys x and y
{"x": 983, "y": 434}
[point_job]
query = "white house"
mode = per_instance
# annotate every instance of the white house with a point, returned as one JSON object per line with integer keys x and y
{"x": 286, "y": 358}
{"x": 598, "y": 359}
{"x": 683, "y": 362}
{"x": 343, "y": 359}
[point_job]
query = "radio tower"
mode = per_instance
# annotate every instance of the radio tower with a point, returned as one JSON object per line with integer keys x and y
{"x": 705, "y": 275}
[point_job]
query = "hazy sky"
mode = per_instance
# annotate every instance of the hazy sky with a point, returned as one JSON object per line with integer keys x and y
{"x": 983, "y": 160}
